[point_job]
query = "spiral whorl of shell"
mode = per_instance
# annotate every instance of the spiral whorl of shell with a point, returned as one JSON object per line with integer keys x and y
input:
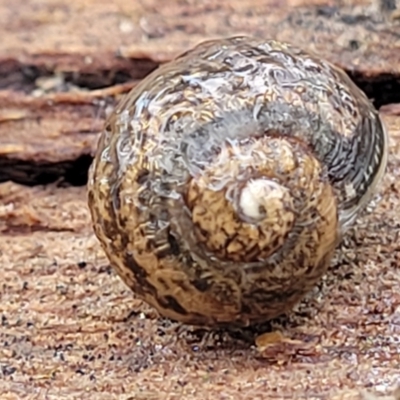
{"x": 223, "y": 181}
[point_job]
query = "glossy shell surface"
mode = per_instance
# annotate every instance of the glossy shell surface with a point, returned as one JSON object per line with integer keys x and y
{"x": 223, "y": 182}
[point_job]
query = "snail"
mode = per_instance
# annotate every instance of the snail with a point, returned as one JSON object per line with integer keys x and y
{"x": 224, "y": 181}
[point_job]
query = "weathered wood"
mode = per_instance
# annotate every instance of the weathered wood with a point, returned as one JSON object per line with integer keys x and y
{"x": 70, "y": 329}
{"x": 47, "y": 137}
{"x": 63, "y": 63}
{"x": 88, "y": 36}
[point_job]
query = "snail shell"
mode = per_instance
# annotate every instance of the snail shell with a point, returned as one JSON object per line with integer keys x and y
{"x": 223, "y": 182}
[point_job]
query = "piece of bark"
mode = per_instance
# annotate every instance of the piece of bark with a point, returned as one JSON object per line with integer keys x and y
{"x": 52, "y": 136}
{"x": 64, "y": 64}
{"x": 87, "y": 36}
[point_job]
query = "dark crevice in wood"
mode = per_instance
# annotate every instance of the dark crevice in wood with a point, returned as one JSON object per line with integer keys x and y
{"x": 30, "y": 173}
{"x": 382, "y": 90}
{"x": 23, "y": 77}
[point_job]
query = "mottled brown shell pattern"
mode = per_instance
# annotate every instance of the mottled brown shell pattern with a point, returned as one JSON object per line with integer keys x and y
{"x": 223, "y": 181}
